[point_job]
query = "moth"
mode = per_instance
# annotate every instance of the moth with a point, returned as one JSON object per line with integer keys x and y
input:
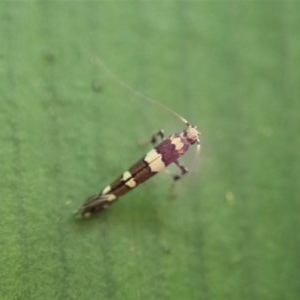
{"x": 165, "y": 152}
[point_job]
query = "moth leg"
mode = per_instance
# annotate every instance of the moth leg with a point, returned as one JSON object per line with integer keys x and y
{"x": 160, "y": 134}
{"x": 176, "y": 177}
{"x": 183, "y": 171}
{"x": 155, "y": 139}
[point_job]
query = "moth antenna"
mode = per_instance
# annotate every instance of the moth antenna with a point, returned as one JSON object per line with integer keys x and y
{"x": 99, "y": 62}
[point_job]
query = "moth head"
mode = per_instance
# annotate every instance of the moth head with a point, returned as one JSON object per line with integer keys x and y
{"x": 192, "y": 134}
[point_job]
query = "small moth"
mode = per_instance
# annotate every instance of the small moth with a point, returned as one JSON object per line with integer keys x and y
{"x": 167, "y": 152}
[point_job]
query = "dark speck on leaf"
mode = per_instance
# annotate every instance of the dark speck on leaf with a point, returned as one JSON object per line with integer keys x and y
{"x": 49, "y": 57}
{"x": 97, "y": 86}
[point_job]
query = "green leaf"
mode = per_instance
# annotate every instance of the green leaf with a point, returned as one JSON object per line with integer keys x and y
{"x": 68, "y": 129}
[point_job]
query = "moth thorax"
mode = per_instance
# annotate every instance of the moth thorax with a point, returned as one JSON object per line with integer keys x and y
{"x": 192, "y": 134}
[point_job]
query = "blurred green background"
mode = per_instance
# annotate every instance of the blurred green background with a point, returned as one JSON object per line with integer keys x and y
{"x": 68, "y": 129}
